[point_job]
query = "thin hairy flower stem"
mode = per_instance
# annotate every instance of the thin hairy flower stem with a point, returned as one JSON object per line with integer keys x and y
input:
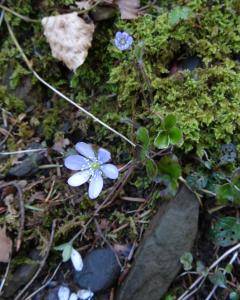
{"x": 27, "y": 19}
{"x": 61, "y": 94}
{"x": 185, "y": 295}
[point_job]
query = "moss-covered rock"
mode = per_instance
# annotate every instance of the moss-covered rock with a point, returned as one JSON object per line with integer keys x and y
{"x": 109, "y": 84}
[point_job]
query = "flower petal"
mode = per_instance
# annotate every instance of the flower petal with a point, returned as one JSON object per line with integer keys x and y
{"x": 103, "y": 155}
{"x": 76, "y": 259}
{"x": 76, "y": 162}
{"x": 110, "y": 171}
{"x": 85, "y": 294}
{"x": 95, "y": 185}
{"x": 86, "y": 150}
{"x": 63, "y": 293}
{"x": 73, "y": 296}
{"x": 118, "y": 35}
{"x": 79, "y": 178}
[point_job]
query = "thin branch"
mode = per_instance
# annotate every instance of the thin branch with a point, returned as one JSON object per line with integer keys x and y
{"x": 61, "y": 94}
{"x": 23, "y": 151}
{"x": 46, "y": 284}
{"x": 20, "y": 294}
{"x": 234, "y": 257}
{"x": 185, "y": 295}
{"x": 107, "y": 242}
{"x": 27, "y": 19}
{"x": 5, "y": 276}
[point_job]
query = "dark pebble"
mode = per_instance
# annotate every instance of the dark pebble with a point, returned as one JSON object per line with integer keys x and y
{"x": 29, "y": 165}
{"x": 100, "y": 270}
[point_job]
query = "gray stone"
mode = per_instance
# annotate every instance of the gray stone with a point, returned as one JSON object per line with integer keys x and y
{"x": 22, "y": 275}
{"x": 157, "y": 260}
{"x": 25, "y": 90}
{"x": 100, "y": 270}
{"x": 29, "y": 165}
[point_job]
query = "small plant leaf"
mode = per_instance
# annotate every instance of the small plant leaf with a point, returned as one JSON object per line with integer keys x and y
{"x": 170, "y": 121}
{"x": 162, "y": 140}
{"x": 197, "y": 181}
{"x": 61, "y": 247}
{"x": 186, "y": 260}
{"x": 228, "y": 192}
{"x": 143, "y": 137}
{"x": 218, "y": 279}
{"x": 179, "y": 13}
{"x": 228, "y": 269}
{"x": 67, "y": 252}
{"x": 226, "y": 231}
{"x": 151, "y": 168}
{"x": 175, "y": 136}
{"x": 169, "y": 166}
{"x": 233, "y": 296}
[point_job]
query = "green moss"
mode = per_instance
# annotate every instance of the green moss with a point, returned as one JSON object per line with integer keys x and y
{"x": 108, "y": 84}
{"x": 9, "y": 102}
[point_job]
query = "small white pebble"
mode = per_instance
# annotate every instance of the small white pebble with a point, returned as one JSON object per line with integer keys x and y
{"x": 63, "y": 293}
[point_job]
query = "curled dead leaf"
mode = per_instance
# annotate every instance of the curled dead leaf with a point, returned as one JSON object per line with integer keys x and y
{"x": 5, "y": 246}
{"x": 128, "y": 9}
{"x": 69, "y": 37}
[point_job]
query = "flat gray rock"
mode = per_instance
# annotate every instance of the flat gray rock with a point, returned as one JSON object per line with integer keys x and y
{"x": 157, "y": 261}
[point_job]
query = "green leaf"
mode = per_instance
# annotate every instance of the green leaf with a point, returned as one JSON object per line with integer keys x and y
{"x": 226, "y": 231}
{"x": 143, "y": 154}
{"x": 169, "y": 121}
{"x": 186, "y": 260}
{"x": 175, "y": 136}
{"x": 233, "y": 296}
{"x": 169, "y": 166}
{"x": 61, "y": 247}
{"x": 228, "y": 269}
{"x": 162, "y": 140}
{"x": 201, "y": 268}
{"x": 151, "y": 168}
{"x": 179, "y": 13}
{"x": 228, "y": 193}
{"x": 218, "y": 279}
{"x": 67, "y": 251}
{"x": 143, "y": 137}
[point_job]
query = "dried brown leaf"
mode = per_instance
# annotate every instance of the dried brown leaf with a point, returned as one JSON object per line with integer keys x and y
{"x": 83, "y": 4}
{"x": 5, "y": 246}
{"x": 128, "y": 9}
{"x": 69, "y": 37}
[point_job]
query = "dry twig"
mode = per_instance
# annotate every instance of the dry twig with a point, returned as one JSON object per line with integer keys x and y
{"x": 20, "y": 294}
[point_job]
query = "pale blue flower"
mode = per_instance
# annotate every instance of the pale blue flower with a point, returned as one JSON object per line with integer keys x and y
{"x": 91, "y": 168}
{"x": 123, "y": 41}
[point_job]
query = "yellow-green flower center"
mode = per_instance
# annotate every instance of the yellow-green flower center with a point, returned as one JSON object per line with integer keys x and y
{"x": 95, "y": 166}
